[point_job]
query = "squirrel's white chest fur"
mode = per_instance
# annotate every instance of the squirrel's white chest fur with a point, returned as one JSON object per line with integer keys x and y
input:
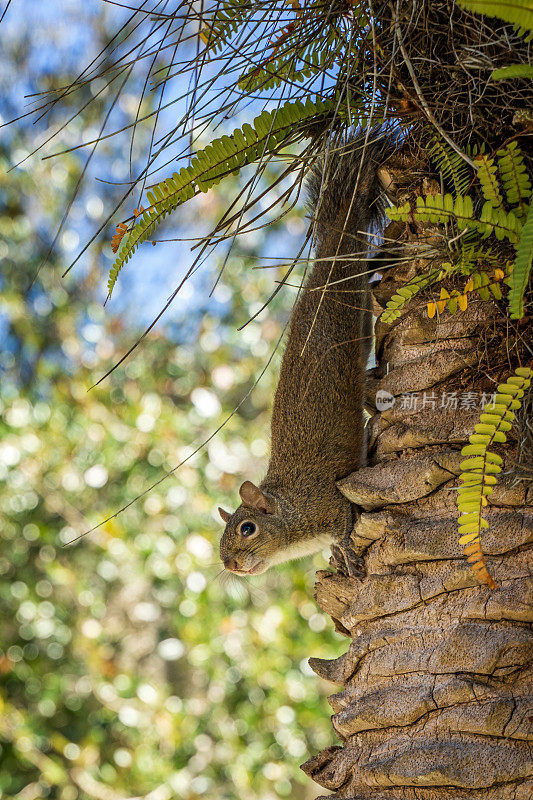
{"x": 306, "y": 547}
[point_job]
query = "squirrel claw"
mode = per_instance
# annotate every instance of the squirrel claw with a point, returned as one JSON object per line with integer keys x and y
{"x": 346, "y": 562}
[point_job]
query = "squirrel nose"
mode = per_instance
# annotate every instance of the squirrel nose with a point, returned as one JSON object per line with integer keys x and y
{"x": 230, "y": 564}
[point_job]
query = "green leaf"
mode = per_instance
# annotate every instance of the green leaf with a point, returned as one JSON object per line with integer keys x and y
{"x": 471, "y": 479}
{"x": 472, "y": 463}
{"x": 469, "y": 506}
{"x": 487, "y": 175}
{"x": 487, "y": 430}
{"x": 519, "y": 12}
{"x": 466, "y": 519}
{"x": 507, "y": 401}
{"x": 452, "y": 166}
{"x": 513, "y": 71}
{"x": 474, "y": 449}
{"x": 474, "y": 526}
{"x": 478, "y": 438}
{"x": 468, "y": 493}
{"x": 469, "y": 532}
{"x": 494, "y": 419}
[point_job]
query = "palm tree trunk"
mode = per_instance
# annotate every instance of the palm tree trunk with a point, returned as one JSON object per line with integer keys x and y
{"x": 435, "y": 699}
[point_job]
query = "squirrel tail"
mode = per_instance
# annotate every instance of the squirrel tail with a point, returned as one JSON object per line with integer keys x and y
{"x": 346, "y": 194}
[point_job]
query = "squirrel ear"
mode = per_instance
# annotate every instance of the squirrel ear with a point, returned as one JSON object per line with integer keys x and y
{"x": 253, "y": 497}
{"x": 224, "y": 514}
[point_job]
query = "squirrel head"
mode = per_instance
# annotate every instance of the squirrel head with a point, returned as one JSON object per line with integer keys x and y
{"x": 254, "y": 533}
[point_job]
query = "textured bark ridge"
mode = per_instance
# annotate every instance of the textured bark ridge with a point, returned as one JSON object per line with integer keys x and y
{"x": 436, "y": 698}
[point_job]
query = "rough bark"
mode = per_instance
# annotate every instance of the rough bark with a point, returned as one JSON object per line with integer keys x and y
{"x": 435, "y": 698}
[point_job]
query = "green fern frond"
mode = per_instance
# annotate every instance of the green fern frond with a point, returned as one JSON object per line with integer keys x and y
{"x": 405, "y": 294}
{"x": 493, "y": 219}
{"x": 513, "y": 71}
{"x": 295, "y": 63}
{"x": 453, "y": 167}
{"x": 438, "y": 208}
{"x": 399, "y": 213}
{"x": 309, "y": 45}
{"x": 519, "y": 12}
{"x": 479, "y": 281}
{"x": 514, "y": 177}
{"x": 479, "y": 470}
{"x": 220, "y": 158}
{"x": 472, "y": 255}
{"x": 487, "y": 175}
{"x": 227, "y": 19}
{"x": 468, "y": 257}
{"x": 504, "y": 225}
{"x": 522, "y": 268}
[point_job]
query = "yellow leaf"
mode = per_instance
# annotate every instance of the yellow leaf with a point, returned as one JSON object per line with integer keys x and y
{"x": 469, "y": 285}
{"x": 432, "y": 310}
{"x": 462, "y": 301}
{"x": 469, "y": 538}
{"x": 499, "y": 274}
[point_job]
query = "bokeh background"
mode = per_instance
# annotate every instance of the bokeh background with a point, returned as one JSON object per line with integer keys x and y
{"x": 129, "y": 666}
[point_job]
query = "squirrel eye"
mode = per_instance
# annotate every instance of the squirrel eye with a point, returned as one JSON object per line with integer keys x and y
{"x": 247, "y": 528}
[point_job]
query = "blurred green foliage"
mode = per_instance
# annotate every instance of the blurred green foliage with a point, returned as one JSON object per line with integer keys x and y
{"x": 128, "y": 665}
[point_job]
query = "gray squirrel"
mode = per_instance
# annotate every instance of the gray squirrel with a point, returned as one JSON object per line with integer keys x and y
{"x": 317, "y": 427}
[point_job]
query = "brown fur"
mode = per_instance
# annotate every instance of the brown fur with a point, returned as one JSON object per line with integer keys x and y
{"x": 317, "y": 420}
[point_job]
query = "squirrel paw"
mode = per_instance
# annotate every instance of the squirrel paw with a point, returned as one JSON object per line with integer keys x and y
{"x": 346, "y": 562}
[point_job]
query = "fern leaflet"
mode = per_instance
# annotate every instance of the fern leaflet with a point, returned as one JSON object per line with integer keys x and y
{"x": 486, "y": 172}
{"x": 479, "y": 470}
{"x": 452, "y": 166}
{"x": 513, "y": 71}
{"x": 514, "y": 177}
{"x": 522, "y": 268}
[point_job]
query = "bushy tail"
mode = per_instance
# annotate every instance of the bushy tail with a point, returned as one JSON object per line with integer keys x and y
{"x": 345, "y": 193}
